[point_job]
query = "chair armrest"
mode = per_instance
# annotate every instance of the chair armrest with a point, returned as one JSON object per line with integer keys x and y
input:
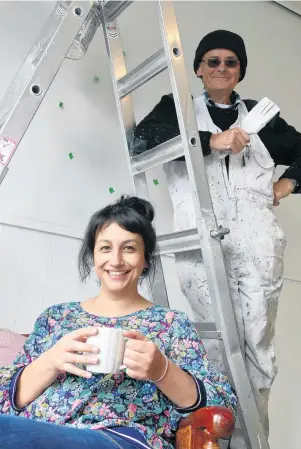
{"x": 203, "y": 428}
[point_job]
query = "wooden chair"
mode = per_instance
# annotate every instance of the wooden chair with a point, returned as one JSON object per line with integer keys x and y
{"x": 203, "y": 428}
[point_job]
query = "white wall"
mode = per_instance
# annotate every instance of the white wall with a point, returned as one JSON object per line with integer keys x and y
{"x": 41, "y": 170}
{"x": 46, "y": 191}
{"x": 37, "y": 270}
{"x": 46, "y": 198}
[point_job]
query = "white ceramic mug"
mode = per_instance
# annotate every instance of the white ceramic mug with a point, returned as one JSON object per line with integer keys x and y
{"x": 111, "y": 344}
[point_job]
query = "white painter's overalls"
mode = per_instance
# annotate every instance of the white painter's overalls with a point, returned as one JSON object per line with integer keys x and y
{"x": 243, "y": 202}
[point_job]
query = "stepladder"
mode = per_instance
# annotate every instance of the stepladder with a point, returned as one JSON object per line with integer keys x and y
{"x": 73, "y": 24}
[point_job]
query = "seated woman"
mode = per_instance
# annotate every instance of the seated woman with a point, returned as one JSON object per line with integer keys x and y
{"x": 47, "y": 397}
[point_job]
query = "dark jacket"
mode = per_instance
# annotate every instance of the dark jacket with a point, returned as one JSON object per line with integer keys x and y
{"x": 281, "y": 140}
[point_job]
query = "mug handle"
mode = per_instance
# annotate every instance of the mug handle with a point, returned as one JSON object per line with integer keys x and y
{"x": 124, "y": 367}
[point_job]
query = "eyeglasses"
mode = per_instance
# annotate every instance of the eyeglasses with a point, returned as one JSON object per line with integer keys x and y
{"x": 215, "y": 62}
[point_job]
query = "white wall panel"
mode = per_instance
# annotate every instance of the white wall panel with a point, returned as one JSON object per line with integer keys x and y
{"x": 36, "y": 265}
{"x": 78, "y": 290}
{"x": 58, "y": 278}
{"x": 37, "y": 271}
{"x": 12, "y": 257}
{"x": 1, "y": 234}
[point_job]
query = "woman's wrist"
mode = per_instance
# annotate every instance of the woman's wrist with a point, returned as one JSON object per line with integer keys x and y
{"x": 164, "y": 372}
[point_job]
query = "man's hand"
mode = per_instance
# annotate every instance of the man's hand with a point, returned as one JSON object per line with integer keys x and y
{"x": 234, "y": 140}
{"x": 282, "y": 189}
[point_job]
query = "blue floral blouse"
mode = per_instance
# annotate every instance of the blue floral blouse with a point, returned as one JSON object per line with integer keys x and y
{"x": 110, "y": 400}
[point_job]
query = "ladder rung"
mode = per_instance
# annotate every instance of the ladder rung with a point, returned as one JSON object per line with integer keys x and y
{"x": 179, "y": 241}
{"x": 166, "y": 152}
{"x": 114, "y": 8}
{"x": 147, "y": 70}
{"x": 207, "y": 331}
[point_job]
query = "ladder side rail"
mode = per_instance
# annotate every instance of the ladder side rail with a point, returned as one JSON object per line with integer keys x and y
{"x": 36, "y": 74}
{"x": 206, "y": 224}
{"x": 127, "y": 122}
{"x": 113, "y": 8}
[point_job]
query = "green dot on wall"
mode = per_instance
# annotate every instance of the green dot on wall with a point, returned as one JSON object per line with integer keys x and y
{"x": 111, "y": 190}
{"x": 156, "y": 182}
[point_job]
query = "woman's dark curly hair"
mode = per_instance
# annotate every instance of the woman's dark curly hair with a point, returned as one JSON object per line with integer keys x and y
{"x": 129, "y": 212}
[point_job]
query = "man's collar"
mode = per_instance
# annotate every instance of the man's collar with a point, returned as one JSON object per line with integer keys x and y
{"x": 235, "y": 99}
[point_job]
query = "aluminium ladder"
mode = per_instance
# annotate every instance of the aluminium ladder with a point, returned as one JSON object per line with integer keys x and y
{"x": 26, "y": 93}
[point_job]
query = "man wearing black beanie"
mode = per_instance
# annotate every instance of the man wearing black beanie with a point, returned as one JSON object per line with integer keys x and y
{"x": 230, "y": 41}
{"x": 240, "y": 169}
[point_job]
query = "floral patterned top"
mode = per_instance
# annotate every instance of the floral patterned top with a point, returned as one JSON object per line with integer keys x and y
{"x": 110, "y": 400}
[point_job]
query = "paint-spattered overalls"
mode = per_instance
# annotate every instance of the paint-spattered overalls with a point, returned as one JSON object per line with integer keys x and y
{"x": 243, "y": 202}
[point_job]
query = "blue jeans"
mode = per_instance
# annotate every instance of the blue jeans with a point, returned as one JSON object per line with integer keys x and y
{"x": 22, "y": 433}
